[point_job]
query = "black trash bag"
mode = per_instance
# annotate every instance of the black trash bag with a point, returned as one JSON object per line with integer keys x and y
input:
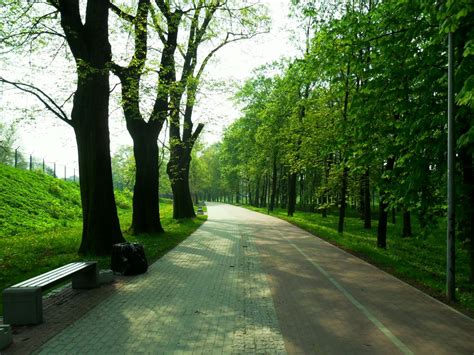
{"x": 128, "y": 259}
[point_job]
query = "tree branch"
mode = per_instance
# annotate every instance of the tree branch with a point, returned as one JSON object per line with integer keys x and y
{"x": 120, "y": 13}
{"x": 47, "y": 101}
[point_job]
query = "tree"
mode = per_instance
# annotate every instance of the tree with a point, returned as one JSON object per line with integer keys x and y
{"x": 146, "y": 213}
{"x": 236, "y": 23}
{"x": 175, "y": 97}
{"x": 7, "y": 143}
{"x": 89, "y": 45}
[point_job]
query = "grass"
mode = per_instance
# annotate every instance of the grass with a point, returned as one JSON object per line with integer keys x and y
{"x": 40, "y": 226}
{"x": 419, "y": 260}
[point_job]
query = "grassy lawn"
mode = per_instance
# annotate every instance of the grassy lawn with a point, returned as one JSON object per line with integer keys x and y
{"x": 40, "y": 226}
{"x": 25, "y": 255}
{"x": 419, "y": 260}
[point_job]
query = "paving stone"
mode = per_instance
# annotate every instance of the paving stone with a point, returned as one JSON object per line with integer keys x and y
{"x": 208, "y": 296}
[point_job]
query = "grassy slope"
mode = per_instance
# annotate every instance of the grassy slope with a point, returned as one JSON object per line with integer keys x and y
{"x": 40, "y": 225}
{"x": 420, "y": 260}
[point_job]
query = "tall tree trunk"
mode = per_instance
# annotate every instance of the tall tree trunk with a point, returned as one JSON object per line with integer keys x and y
{"x": 264, "y": 192}
{"x": 361, "y": 208}
{"x": 178, "y": 171}
{"x": 342, "y": 202}
{"x": 90, "y": 47}
{"x": 367, "y": 208}
{"x": 302, "y": 203}
{"x": 283, "y": 189}
{"x": 383, "y": 213}
{"x": 406, "y": 224}
{"x": 250, "y": 200}
{"x": 274, "y": 185}
{"x": 146, "y": 211}
{"x": 100, "y": 223}
{"x": 291, "y": 194}
{"x": 257, "y": 193}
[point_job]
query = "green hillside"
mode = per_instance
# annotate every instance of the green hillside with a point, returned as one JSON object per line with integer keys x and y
{"x": 34, "y": 202}
{"x": 41, "y": 227}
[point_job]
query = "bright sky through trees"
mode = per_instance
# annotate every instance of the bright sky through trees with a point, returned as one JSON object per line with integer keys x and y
{"x": 49, "y": 138}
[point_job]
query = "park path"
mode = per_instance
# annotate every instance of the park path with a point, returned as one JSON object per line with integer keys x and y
{"x": 206, "y": 296}
{"x": 330, "y": 302}
{"x": 249, "y": 283}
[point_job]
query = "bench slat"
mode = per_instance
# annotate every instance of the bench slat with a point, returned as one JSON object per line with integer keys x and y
{"x": 54, "y": 275}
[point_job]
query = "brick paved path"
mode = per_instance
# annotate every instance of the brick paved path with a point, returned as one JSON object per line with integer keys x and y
{"x": 223, "y": 289}
{"x": 208, "y": 295}
{"x": 330, "y": 302}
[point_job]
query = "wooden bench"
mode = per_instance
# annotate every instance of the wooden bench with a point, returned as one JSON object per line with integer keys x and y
{"x": 23, "y": 302}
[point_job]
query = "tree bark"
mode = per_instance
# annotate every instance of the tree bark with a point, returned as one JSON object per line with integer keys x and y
{"x": 342, "y": 203}
{"x": 367, "y": 208}
{"x": 178, "y": 172}
{"x": 257, "y": 193}
{"x": 274, "y": 185}
{"x": 90, "y": 47}
{"x": 406, "y": 224}
{"x": 383, "y": 213}
{"x": 291, "y": 194}
{"x": 146, "y": 211}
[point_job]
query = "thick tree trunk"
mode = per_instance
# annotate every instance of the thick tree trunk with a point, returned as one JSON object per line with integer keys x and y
{"x": 101, "y": 228}
{"x": 367, "y": 208}
{"x": 406, "y": 224}
{"x": 383, "y": 213}
{"x": 90, "y": 47}
{"x": 178, "y": 171}
{"x": 291, "y": 194}
{"x": 342, "y": 202}
{"x": 146, "y": 211}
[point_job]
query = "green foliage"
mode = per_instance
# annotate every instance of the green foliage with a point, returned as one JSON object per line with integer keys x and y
{"x": 123, "y": 172}
{"x": 369, "y": 92}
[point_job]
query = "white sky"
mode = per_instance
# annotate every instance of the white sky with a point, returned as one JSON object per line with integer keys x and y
{"x": 54, "y": 140}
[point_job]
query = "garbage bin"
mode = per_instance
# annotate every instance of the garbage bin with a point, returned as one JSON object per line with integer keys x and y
{"x": 128, "y": 259}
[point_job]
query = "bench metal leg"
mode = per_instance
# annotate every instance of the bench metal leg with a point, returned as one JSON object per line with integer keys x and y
{"x": 22, "y": 305}
{"x": 88, "y": 278}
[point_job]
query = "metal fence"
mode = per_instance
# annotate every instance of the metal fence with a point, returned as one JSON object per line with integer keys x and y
{"x": 26, "y": 161}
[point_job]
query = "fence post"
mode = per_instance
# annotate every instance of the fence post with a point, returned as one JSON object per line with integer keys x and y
{"x": 74, "y": 175}
{"x": 54, "y": 173}
{"x": 65, "y": 172}
{"x": 16, "y": 157}
{"x": 31, "y": 162}
{"x": 43, "y": 166}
